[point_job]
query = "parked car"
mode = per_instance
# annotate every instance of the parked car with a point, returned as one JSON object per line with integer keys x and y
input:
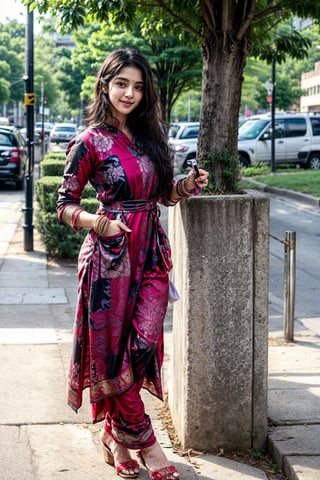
{"x": 81, "y": 128}
{"x": 4, "y": 121}
{"x": 39, "y": 133}
{"x": 183, "y": 140}
{"x": 13, "y": 156}
{"x": 297, "y": 140}
{"x": 63, "y": 132}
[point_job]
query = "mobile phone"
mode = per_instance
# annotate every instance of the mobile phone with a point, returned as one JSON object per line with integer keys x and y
{"x": 195, "y": 167}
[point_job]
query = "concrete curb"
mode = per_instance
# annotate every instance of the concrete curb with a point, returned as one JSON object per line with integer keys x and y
{"x": 282, "y": 192}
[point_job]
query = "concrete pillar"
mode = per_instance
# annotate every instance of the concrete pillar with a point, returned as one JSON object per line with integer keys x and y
{"x": 217, "y": 379}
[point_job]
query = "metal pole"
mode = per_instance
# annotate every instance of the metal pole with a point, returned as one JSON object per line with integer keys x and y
{"x": 289, "y": 285}
{"x": 273, "y": 106}
{"x": 29, "y": 102}
{"x": 42, "y": 123}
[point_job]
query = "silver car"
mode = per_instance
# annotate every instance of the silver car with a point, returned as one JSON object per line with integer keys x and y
{"x": 183, "y": 141}
{"x": 63, "y": 132}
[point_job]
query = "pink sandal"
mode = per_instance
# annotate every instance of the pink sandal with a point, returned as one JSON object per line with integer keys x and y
{"x": 120, "y": 467}
{"x": 164, "y": 473}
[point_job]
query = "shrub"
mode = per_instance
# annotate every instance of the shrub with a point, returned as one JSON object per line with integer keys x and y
{"x": 52, "y": 167}
{"x": 61, "y": 156}
{"x": 59, "y": 239}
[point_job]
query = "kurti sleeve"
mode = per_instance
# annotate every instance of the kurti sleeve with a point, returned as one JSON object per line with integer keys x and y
{"x": 175, "y": 193}
{"x": 80, "y": 160}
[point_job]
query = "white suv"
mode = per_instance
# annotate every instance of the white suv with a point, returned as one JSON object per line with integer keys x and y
{"x": 297, "y": 140}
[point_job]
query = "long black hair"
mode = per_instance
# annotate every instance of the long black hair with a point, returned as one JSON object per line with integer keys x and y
{"x": 148, "y": 130}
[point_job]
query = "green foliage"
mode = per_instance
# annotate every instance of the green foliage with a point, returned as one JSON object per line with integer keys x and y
{"x": 59, "y": 239}
{"x": 176, "y": 65}
{"x": 11, "y": 61}
{"x": 55, "y": 156}
{"x": 224, "y": 171}
{"x": 47, "y": 192}
{"x": 187, "y": 107}
{"x": 255, "y": 169}
{"x": 49, "y": 168}
{"x": 226, "y": 34}
{"x": 304, "y": 181}
{"x": 294, "y": 45}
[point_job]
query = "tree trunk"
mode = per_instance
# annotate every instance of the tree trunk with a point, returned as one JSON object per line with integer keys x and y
{"x": 221, "y": 95}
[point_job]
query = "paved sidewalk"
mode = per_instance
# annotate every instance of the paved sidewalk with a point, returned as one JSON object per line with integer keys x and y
{"x": 42, "y": 438}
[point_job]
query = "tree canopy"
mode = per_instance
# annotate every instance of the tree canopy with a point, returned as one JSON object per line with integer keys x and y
{"x": 226, "y": 32}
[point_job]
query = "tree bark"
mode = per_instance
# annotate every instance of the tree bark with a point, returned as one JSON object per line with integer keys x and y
{"x": 222, "y": 79}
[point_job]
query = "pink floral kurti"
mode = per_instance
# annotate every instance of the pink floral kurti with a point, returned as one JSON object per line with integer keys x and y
{"x": 123, "y": 279}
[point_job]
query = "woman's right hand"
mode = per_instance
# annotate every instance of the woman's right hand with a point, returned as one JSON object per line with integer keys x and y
{"x": 116, "y": 226}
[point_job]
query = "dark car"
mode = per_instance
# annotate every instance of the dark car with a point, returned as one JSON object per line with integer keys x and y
{"x": 13, "y": 156}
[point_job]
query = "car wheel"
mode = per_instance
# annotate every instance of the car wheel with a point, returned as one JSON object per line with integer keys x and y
{"x": 314, "y": 161}
{"x": 243, "y": 161}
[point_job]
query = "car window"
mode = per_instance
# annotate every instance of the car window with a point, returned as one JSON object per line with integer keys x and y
{"x": 296, "y": 127}
{"x": 315, "y": 123}
{"x": 173, "y": 131}
{"x": 252, "y": 128}
{"x": 20, "y": 139}
{"x": 65, "y": 129}
{"x": 6, "y": 139}
{"x": 192, "y": 132}
{"x": 279, "y": 129}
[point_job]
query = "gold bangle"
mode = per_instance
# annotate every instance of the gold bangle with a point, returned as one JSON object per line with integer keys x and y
{"x": 70, "y": 214}
{"x": 181, "y": 189}
{"x": 101, "y": 225}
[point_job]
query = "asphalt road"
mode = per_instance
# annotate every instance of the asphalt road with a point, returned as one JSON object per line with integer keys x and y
{"x": 288, "y": 215}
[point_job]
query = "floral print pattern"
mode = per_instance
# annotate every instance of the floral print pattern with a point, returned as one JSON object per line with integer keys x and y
{"x": 123, "y": 279}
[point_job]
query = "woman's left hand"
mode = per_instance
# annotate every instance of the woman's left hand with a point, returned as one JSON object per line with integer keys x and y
{"x": 191, "y": 182}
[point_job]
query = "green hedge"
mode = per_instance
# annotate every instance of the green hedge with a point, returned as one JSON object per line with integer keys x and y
{"x": 55, "y": 156}
{"x": 59, "y": 239}
{"x": 47, "y": 193}
{"x": 52, "y": 168}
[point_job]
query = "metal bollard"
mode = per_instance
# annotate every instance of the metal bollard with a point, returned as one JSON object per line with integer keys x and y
{"x": 289, "y": 284}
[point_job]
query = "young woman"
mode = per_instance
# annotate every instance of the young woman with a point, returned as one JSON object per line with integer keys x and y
{"x": 124, "y": 260}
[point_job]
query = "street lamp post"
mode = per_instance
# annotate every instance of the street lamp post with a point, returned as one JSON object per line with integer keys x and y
{"x": 42, "y": 122}
{"x": 273, "y": 106}
{"x": 29, "y": 97}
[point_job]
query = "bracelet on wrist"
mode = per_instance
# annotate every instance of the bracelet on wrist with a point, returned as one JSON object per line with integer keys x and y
{"x": 101, "y": 225}
{"x": 182, "y": 190}
{"x": 70, "y": 215}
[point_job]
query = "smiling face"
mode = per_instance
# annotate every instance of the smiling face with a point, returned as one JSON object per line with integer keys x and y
{"x": 125, "y": 92}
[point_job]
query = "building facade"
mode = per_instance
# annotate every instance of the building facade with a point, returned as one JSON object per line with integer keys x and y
{"x": 310, "y": 82}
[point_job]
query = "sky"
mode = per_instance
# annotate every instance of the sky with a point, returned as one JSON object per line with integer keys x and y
{"x": 14, "y": 10}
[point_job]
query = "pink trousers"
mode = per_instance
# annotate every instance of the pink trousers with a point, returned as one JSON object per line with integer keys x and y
{"x": 126, "y": 420}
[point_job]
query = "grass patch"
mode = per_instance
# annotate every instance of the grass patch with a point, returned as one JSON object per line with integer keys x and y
{"x": 264, "y": 168}
{"x": 304, "y": 182}
{"x": 298, "y": 180}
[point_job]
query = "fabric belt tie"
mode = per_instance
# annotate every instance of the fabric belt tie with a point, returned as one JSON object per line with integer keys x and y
{"x": 134, "y": 206}
{"x": 129, "y": 206}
